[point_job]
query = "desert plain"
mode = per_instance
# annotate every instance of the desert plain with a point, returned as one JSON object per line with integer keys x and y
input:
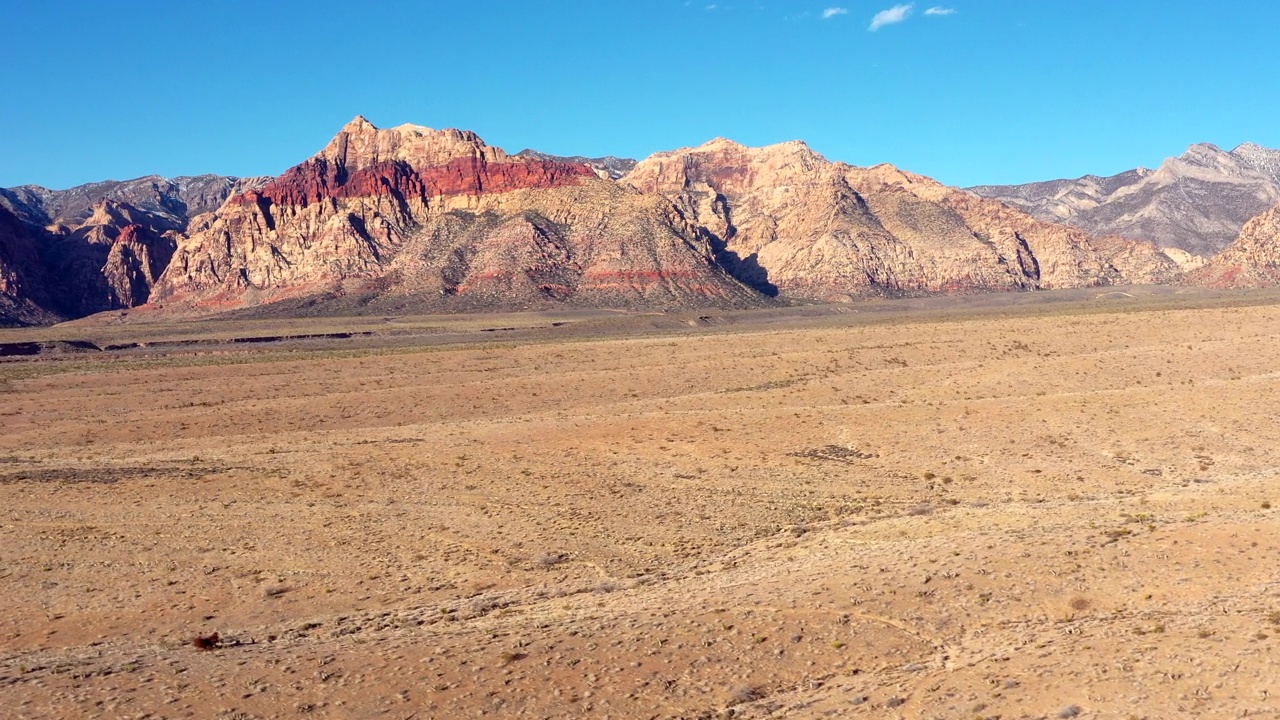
{"x": 1028, "y": 507}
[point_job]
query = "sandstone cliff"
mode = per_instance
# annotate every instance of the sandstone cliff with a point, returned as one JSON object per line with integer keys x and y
{"x": 99, "y": 246}
{"x": 111, "y": 260}
{"x": 24, "y": 284}
{"x": 1252, "y": 261}
{"x": 440, "y": 217}
{"x": 787, "y": 221}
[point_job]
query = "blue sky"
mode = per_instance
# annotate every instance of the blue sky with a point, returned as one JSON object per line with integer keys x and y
{"x": 979, "y": 91}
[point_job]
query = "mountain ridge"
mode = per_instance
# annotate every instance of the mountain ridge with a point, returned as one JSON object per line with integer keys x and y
{"x": 410, "y": 217}
{"x": 438, "y": 219}
{"x": 821, "y": 230}
{"x": 1196, "y": 202}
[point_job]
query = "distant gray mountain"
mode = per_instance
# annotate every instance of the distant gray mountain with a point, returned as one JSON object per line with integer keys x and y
{"x": 101, "y": 246}
{"x": 170, "y": 202}
{"x": 614, "y": 167}
{"x": 1197, "y": 202}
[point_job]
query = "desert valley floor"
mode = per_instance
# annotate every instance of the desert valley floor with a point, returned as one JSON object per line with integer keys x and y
{"x": 953, "y": 509}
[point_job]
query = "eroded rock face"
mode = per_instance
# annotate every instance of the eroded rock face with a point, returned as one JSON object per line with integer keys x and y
{"x": 167, "y": 203}
{"x": 110, "y": 261}
{"x": 24, "y": 298}
{"x": 102, "y": 246}
{"x": 441, "y": 216}
{"x": 787, "y": 221}
{"x": 1196, "y": 202}
{"x": 1252, "y": 261}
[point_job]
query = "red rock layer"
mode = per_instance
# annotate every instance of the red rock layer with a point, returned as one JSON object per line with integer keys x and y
{"x": 319, "y": 179}
{"x": 444, "y": 220}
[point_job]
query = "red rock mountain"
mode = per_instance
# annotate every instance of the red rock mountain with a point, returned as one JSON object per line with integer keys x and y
{"x": 437, "y": 219}
{"x": 1252, "y": 261}
{"x": 786, "y": 220}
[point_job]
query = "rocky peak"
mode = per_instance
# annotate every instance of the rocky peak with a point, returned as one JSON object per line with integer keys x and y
{"x": 360, "y": 145}
{"x": 442, "y": 217}
{"x": 725, "y": 166}
{"x": 168, "y": 203}
{"x": 1202, "y": 160}
{"x": 784, "y": 219}
{"x": 112, "y": 213}
{"x": 408, "y": 166}
{"x": 1197, "y": 202}
{"x": 1259, "y": 158}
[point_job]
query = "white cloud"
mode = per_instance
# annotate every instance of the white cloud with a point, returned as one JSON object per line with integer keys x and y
{"x": 892, "y": 16}
{"x": 939, "y": 10}
{"x": 832, "y": 12}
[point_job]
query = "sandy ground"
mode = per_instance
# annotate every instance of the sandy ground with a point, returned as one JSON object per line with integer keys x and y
{"x": 1050, "y": 515}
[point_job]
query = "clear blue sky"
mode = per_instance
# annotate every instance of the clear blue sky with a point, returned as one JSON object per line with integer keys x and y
{"x": 997, "y": 91}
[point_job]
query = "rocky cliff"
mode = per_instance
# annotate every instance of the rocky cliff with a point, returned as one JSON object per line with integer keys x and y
{"x": 441, "y": 218}
{"x": 24, "y": 283}
{"x": 100, "y": 246}
{"x": 1252, "y": 261}
{"x": 787, "y": 221}
{"x": 110, "y": 260}
{"x": 1197, "y": 202}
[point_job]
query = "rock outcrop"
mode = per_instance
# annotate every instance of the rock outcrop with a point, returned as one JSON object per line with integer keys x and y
{"x": 168, "y": 203}
{"x": 1197, "y": 202}
{"x": 111, "y": 260}
{"x": 100, "y": 246}
{"x": 439, "y": 217}
{"x": 24, "y": 284}
{"x": 608, "y": 166}
{"x": 1252, "y": 261}
{"x": 787, "y": 221}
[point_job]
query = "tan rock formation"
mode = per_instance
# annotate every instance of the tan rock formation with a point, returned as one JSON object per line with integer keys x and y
{"x": 785, "y": 219}
{"x": 438, "y": 216}
{"x": 1252, "y": 261}
{"x": 111, "y": 260}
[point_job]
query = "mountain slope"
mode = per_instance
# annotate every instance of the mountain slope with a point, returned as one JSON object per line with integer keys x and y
{"x": 99, "y": 246}
{"x": 169, "y": 203}
{"x": 440, "y": 220}
{"x": 24, "y": 284}
{"x": 1252, "y": 261}
{"x": 787, "y": 221}
{"x": 1197, "y": 202}
{"x": 608, "y": 166}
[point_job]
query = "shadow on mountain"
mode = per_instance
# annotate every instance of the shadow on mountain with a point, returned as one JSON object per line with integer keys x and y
{"x": 747, "y": 271}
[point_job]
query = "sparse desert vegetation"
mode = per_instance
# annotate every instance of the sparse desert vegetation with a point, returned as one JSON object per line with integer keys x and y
{"x": 1039, "y": 511}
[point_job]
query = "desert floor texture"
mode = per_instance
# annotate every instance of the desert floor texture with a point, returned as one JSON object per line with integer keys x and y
{"x": 1033, "y": 510}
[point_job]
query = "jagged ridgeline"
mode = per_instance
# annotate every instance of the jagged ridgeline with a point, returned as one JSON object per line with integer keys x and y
{"x": 1196, "y": 203}
{"x": 411, "y": 219}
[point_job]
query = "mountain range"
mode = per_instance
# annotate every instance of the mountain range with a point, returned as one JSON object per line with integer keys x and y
{"x": 1197, "y": 202}
{"x": 411, "y": 219}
